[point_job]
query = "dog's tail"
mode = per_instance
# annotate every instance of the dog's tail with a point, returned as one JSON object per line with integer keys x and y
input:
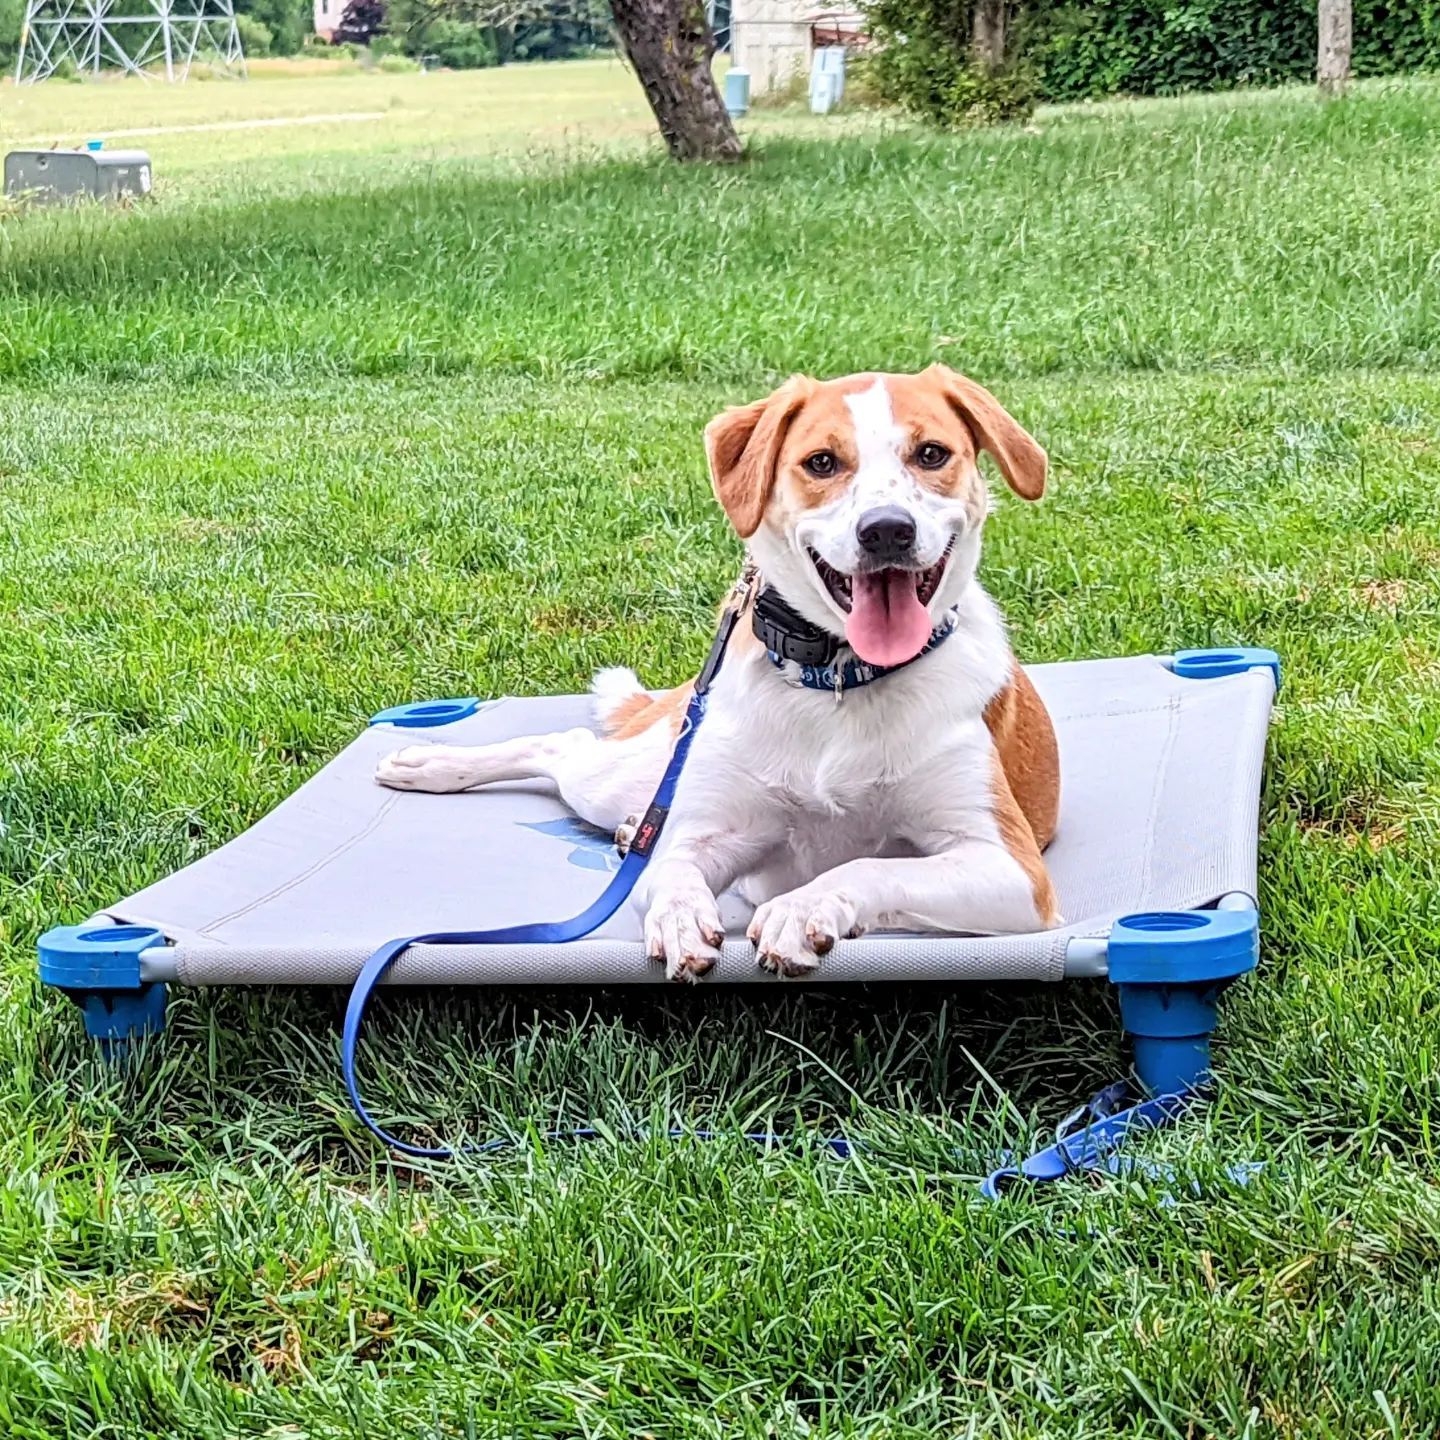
{"x": 619, "y": 696}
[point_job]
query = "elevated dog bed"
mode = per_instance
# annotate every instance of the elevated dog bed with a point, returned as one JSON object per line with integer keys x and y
{"x": 1161, "y": 764}
{"x": 1154, "y": 862}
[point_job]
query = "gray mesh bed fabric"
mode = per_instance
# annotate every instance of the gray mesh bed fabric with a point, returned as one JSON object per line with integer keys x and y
{"x": 1161, "y": 784}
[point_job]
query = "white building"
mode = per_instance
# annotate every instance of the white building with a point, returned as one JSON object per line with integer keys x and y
{"x": 327, "y": 17}
{"x": 774, "y": 39}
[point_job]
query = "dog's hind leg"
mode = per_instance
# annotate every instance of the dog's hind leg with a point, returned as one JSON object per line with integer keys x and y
{"x": 602, "y": 781}
{"x": 444, "y": 769}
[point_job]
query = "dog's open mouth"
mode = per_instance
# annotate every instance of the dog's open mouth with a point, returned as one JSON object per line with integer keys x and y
{"x": 887, "y": 622}
{"x": 841, "y": 587}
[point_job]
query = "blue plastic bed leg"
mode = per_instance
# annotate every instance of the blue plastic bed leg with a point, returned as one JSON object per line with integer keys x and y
{"x": 98, "y": 967}
{"x": 1170, "y": 967}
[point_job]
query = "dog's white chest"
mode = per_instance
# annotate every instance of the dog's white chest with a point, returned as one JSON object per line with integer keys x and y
{"x": 834, "y": 793}
{"x": 875, "y": 772}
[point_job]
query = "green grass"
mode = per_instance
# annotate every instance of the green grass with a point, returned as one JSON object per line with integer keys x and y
{"x": 354, "y": 123}
{"x": 1190, "y": 239}
{"x": 269, "y": 463}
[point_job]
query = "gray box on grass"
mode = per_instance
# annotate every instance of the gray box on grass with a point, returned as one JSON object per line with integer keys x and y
{"x": 59, "y": 176}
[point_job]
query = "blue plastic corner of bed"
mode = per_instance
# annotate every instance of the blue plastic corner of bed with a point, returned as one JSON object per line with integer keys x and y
{"x": 98, "y": 967}
{"x": 1170, "y": 967}
{"x": 425, "y": 713}
{"x": 1234, "y": 660}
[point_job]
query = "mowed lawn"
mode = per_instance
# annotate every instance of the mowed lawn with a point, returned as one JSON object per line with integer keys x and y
{"x": 279, "y": 453}
{"x": 320, "y": 125}
{"x": 313, "y": 124}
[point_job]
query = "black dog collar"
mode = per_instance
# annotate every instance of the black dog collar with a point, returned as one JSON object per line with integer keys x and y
{"x": 789, "y": 635}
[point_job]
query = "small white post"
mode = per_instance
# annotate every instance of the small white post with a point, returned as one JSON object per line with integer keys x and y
{"x": 1332, "y": 69}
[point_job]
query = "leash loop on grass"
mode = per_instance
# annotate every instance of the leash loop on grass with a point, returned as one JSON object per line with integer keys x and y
{"x": 1089, "y": 1139}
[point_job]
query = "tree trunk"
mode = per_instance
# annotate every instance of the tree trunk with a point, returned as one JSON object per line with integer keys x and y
{"x": 670, "y": 45}
{"x": 987, "y": 35}
{"x": 1333, "y": 69}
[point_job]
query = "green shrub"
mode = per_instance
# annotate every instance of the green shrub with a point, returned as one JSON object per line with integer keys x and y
{"x": 863, "y": 91}
{"x": 1163, "y": 47}
{"x": 396, "y": 64}
{"x": 459, "y": 46}
{"x": 288, "y": 22}
{"x": 11, "y": 13}
{"x": 586, "y": 32}
{"x": 922, "y": 63}
{"x": 255, "y": 36}
{"x": 1087, "y": 49}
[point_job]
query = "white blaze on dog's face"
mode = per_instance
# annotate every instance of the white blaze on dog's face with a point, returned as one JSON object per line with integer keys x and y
{"x": 862, "y": 499}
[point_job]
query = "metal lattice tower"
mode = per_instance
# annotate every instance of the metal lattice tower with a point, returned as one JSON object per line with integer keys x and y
{"x": 156, "y": 39}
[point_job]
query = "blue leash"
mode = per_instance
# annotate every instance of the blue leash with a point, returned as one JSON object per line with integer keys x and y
{"x": 1089, "y": 1140}
{"x": 1104, "y": 1126}
{"x": 553, "y": 932}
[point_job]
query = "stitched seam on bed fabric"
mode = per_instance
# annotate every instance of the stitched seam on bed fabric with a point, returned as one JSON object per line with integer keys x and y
{"x": 1156, "y": 790}
{"x": 309, "y": 870}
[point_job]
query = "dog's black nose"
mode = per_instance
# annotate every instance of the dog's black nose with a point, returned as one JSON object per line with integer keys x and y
{"x": 887, "y": 532}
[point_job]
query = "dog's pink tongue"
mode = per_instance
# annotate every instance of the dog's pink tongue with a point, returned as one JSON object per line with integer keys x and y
{"x": 888, "y": 625}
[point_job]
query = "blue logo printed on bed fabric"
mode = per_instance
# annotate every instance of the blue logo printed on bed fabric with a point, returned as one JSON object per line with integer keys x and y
{"x": 593, "y": 849}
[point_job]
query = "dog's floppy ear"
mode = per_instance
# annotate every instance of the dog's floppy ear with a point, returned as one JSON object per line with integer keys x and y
{"x": 743, "y": 447}
{"x": 1021, "y": 460}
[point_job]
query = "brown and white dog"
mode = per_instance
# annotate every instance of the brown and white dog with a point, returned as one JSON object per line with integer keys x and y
{"x": 919, "y": 801}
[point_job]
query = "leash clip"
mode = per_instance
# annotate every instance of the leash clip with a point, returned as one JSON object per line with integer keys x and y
{"x": 742, "y": 592}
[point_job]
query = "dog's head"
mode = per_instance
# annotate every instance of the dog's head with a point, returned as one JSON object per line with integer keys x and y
{"x": 862, "y": 500}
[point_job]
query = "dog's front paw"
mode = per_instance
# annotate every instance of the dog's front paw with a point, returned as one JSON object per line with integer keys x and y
{"x": 683, "y": 929}
{"x": 424, "y": 767}
{"x": 791, "y": 932}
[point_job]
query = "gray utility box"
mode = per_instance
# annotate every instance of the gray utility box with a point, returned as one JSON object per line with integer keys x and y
{"x": 58, "y": 176}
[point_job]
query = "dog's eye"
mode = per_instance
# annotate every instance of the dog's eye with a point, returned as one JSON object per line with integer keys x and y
{"x": 822, "y": 464}
{"x": 931, "y": 456}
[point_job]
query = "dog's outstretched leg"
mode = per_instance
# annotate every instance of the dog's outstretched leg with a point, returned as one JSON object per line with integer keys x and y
{"x": 603, "y": 781}
{"x": 444, "y": 769}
